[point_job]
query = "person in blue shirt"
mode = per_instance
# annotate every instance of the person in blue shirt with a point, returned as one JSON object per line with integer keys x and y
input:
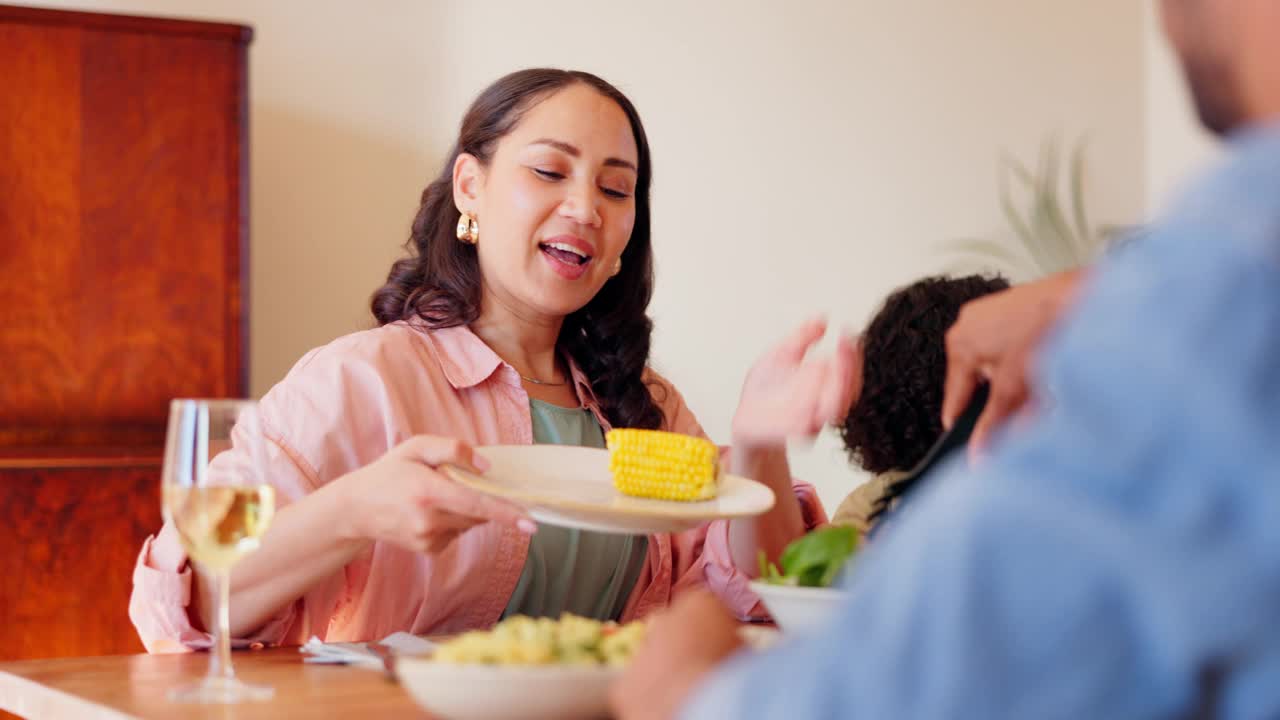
{"x": 1117, "y": 555}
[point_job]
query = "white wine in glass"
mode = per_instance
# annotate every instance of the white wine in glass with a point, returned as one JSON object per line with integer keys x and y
{"x": 215, "y": 493}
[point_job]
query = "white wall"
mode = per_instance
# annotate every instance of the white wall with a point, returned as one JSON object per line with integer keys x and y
{"x": 1177, "y": 145}
{"x": 809, "y": 155}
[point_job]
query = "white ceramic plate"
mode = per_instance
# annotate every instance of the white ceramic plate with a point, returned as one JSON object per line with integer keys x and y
{"x": 797, "y": 609}
{"x": 572, "y": 486}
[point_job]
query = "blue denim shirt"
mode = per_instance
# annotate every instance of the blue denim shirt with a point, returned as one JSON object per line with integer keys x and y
{"x": 1118, "y": 557}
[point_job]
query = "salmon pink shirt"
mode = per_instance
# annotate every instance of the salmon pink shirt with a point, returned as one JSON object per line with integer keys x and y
{"x": 346, "y": 404}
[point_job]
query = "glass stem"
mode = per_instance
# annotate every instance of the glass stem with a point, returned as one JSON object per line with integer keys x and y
{"x": 220, "y": 665}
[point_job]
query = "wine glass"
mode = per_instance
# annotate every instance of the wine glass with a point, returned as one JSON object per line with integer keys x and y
{"x": 215, "y": 492}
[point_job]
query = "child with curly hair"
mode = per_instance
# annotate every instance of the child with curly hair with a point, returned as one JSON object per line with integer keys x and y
{"x": 896, "y": 414}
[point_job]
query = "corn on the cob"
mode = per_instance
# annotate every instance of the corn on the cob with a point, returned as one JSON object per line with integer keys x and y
{"x": 663, "y": 465}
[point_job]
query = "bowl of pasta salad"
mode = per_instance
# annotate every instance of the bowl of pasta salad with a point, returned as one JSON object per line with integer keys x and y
{"x": 523, "y": 669}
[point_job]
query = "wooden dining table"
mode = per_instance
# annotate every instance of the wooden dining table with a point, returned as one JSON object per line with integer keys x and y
{"x": 129, "y": 687}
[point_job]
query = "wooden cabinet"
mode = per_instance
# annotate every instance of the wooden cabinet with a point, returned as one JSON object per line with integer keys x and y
{"x": 123, "y": 283}
{"x": 70, "y": 537}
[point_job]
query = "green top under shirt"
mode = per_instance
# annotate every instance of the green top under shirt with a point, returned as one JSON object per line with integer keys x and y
{"x": 568, "y": 570}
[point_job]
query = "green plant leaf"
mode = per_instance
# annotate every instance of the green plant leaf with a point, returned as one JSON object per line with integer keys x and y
{"x": 1052, "y": 232}
{"x": 1016, "y": 260}
{"x": 1065, "y": 243}
{"x": 1053, "y": 237}
{"x": 1084, "y": 231}
{"x": 1020, "y": 171}
{"x": 1007, "y": 167}
{"x": 769, "y": 572}
{"x": 1026, "y": 230}
{"x": 815, "y": 559}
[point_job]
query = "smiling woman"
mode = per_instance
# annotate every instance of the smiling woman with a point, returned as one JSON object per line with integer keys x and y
{"x": 520, "y": 316}
{"x": 560, "y": 208}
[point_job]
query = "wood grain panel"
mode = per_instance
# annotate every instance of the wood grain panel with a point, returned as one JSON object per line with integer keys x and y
{"x": 69, "y": 539}
{"x": 123, "y": 265}
{"x": 229, "y": 32}
{"x": 153, "y": 210}
{"x": 39, "y": 208}
{"x": 122, "y": 218}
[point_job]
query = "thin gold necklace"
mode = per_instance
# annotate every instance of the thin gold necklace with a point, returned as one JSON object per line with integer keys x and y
{"x": 544, "y": 382}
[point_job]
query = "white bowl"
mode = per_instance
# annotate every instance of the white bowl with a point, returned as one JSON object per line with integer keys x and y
{"x": 507, "y": 692}
{"x": 797, "y": 609}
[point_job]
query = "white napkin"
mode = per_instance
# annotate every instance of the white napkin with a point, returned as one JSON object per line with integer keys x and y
{"x": 359, "y": 654}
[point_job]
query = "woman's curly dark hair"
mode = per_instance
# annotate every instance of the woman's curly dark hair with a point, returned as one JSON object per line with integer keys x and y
{"x": 897, "y": 417}
{"x": 440, "y": 280}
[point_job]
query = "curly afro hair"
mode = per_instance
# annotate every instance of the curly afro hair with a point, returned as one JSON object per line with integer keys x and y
{"x": 897, "y": 417}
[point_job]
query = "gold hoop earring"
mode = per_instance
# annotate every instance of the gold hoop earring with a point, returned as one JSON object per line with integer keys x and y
{"x": 468, "y": 230}
{"x": 617, "y": 268}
